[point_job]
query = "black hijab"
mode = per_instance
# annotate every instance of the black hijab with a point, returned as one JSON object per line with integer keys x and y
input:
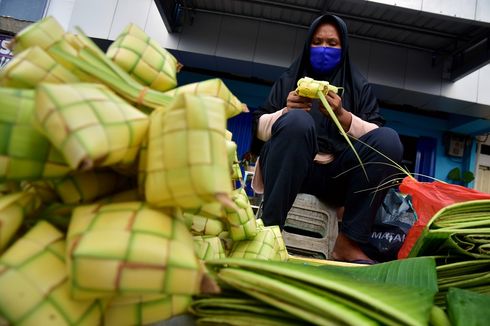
{"x": 357, "y": 96}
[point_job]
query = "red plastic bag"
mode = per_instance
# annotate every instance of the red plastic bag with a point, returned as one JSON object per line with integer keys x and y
{"x": 427, "y": 199}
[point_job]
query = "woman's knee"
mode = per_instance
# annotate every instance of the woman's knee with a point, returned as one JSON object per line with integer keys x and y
{"x": 387, "y": 141}
{"x": 295, "y": 122}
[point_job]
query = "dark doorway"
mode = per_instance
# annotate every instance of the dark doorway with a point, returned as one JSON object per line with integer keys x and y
{"x": 409, "y": 152}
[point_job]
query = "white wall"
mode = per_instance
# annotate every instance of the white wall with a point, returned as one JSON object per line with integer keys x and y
{"x": 62, "y": 10}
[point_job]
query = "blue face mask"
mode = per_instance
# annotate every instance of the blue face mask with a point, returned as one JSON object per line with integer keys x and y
{"x": 324, "y": 59}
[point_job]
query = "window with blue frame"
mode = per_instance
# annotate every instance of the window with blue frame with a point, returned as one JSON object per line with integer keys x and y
{"x": 30, "y": 10}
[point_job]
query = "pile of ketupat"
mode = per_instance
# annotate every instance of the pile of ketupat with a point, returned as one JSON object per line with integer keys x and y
{"x": 115, "y": 183}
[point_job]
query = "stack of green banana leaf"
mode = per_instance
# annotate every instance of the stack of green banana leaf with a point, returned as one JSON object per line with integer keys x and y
{"x": 471, "y": 275}
{"x": 459, "y": 236}
{"x": 461, "y": 229}
{"x": 287, "y": 293}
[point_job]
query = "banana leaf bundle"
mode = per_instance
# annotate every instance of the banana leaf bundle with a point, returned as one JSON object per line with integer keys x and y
{"x": 472, "y": 274}
{"x": 239, "y": 309}
{"x": 467, "y": 308}
{"x": 461, "y": 229}
{"x": 429, "y": 198}
{"x": 393, "y": 293}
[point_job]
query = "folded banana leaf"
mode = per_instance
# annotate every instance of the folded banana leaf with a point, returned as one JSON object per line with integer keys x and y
{"x": 394, "y": 293}
{"x": 416, "y": 272}
{"x": 461, "y": 229}
{"x": 227, "y": 308}
{"x": 471, "y": 275}
{"x": 467, "y": 308}
{"x": 239, "y": 320}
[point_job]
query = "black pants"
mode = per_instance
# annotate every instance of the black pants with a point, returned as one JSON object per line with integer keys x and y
{"x": 287, "y": 167}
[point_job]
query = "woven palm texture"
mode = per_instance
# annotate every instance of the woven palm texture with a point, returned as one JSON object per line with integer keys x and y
{"x": 208, "y": 247}
{"x": 308, "y": 87}
{"x": 231, "y": 147}
{"x": 144, "y": 310}
{"x": 187, "y": 164}
{"x": 87, "y": 186}
{"x": 144, "y": 59}
{"x": 216, "y": 88}
{"x": 34, "y": 283}
{"x": 49, "y": 35}
{"x": 241, "y": 218}
{"x": 201, "y": 225}
{"x": 44, "y": 33}
{"x": 25, "y": 154}
{"x": 33, "y": 66}
{"x": 142, "y": 164}
{"x": 265, "y": 245}
{"x": 14, "y": 207}
{"x": 89, "y": 124}
{"x": 212, "y": 210}
{"x": 134, "y": 250}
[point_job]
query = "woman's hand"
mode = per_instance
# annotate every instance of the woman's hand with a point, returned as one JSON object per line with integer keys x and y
{"x": 295, "y": 101}
{"x": 335, "y": 101}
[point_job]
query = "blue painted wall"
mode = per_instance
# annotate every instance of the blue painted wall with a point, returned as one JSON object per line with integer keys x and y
{"x": 417, "y": 125}
{"x": 405, "y": 123}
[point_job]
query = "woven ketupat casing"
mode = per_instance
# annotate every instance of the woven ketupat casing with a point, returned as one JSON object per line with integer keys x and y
{"x": 34, "y": 283}
{"x": 201, "y": 225}
{"x": 187, "y": 163}
{"x": 86, "y": 186}
{"x": 308, "y": 87}
{"x": 142, "y": 165}
{"x": 144, "y": 310}
{"x": 241, "y": 219}
{"x": 13, "y": 208}
{"x": 25, "y": 154}
{"x": 129, "y": 249}
{"x": 265, "y": 245}
{"x": 213, "y": 210}
{"x": 209, "y": 247}
{"x": 89, "y": 124}
{"x": 33, "y": 66}
{"x": 144, "y": 59}
{"x": 44, "y": 33}
{"x": 213, "y": 87}
{"x": 282, "y": 252}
